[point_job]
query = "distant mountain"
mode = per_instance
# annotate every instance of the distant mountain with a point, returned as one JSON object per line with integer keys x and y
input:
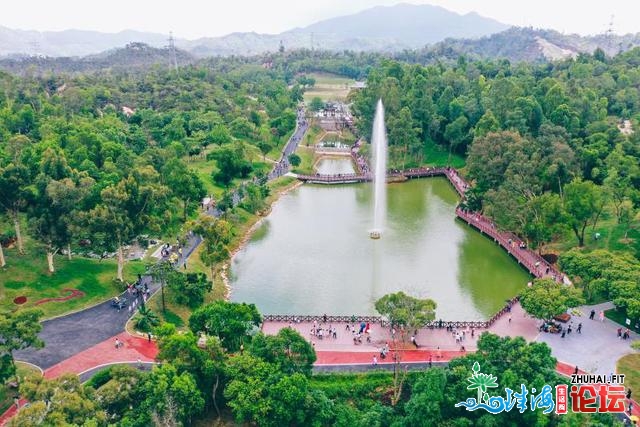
{"x": 70, "y": 42}
{"x": 531, "y": 45}
{"x": 381, "y": 28}
{"x": 132, "y": 56}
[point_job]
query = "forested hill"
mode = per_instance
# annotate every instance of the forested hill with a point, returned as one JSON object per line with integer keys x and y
{"x": 525, "y": 44}
{"x": 132, "y": 56}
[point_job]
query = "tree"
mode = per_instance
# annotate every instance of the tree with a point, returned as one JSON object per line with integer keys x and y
{"x": 259, "y": 393}
{"x": 294, "y": 160}
{"x": 184, "y": 183}
{"x": 265, "y": 147}
{"x": 146, "y": 319}
{"x": 547, "y": 298}
{"x": 219, "y": 135}
{"x": 18, "y": 331}
{"x": 54, "y": 214}
{"x": 287, "y": 349}
{"x": 117, "y": 389}
{"x": 205, "y": 361}
{"x": 160, "y": 272}
{"x": 232, "y": 323}
{"x": 189, "y": 289}
{"x": 406, "y": 311}
{"x": 166, "y": 395}
{"x": 231, "y": 164}
{"x": 316, "y": 104}
{"x": 127, "y": 208}
{"x": 217, "y": 234}
{"x": 513, "y": 361}
{"x": 62, "y": 401}
{"x": 583, "y": 203}
{"x": 15, "y": 180}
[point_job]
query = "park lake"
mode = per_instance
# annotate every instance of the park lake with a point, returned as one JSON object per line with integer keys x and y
{"x": 312, "y": 253}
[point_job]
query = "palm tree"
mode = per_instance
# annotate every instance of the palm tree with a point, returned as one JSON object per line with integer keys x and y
{"x": 146, "y": 319}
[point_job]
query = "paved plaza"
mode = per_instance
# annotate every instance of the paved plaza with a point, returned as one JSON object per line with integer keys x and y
{"x": 596, "y": 349}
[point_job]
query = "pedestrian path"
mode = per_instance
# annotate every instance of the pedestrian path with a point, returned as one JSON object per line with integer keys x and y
{"x": 132, "y": 350}
{"x": 597, "y": 348}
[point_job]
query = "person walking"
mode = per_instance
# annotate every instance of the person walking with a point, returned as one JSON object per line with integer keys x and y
{"x": 117, "y": 343}
{"x": 579, "y": 328}
{"x": 375, "y": 361}
{"x": 575, "y": 371}
{"x": 413, "y": 341}
{"x": 601, "y": 316}
{"x": 628, "y": 393}
{"x": 592, "y": 315}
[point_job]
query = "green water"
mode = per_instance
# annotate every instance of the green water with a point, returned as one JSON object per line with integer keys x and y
{"x": 312, "y": 254}
{"x": 334, "y": 165}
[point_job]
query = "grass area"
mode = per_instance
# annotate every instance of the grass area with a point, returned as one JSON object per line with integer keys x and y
{"x": 7, "y": 393}
{"x": 437, "y": 155}
{"x": 307, "y": 155}
{"x": 27, "y": 275}
{"x": 204, "y": 168}
{"x": 620, "y": 318}
{"x": 629, "y": 365}
{"x": 329, "y": 87}
{"x": 611, "y": 237}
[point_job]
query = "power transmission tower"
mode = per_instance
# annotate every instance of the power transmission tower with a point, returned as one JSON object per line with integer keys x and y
{"x": 610, "y": 35}
{"x": 172, "y": 47}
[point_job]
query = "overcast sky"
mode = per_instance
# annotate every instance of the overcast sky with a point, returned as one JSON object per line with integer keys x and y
{"x": 199, "y": 18}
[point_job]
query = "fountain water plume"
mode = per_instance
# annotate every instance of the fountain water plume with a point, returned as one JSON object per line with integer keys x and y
{"x": 379, "y": 145}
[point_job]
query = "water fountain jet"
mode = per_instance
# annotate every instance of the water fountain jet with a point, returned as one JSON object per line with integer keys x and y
{"x": 379, "y": 145}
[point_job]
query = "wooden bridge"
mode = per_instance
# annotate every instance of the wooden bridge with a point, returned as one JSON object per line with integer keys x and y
{"x": 348, "y": 178}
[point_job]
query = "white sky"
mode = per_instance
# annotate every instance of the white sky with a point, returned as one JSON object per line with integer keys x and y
{"x": 198, "y": 18}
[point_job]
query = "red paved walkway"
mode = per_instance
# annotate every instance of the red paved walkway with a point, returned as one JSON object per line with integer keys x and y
{"x": 133, "y": 348}
{"x": 104, "y": 353}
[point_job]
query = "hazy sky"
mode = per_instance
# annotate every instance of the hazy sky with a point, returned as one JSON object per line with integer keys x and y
{"x": 198, "y": 18}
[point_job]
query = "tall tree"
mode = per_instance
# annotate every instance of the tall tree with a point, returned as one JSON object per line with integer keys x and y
{"x": 18, "y": 331}
{"x": 15, "y": 191}
{"x": 217, "y": 234}
{"x": 184, "y": 184}
{"x": 287, "y": 349}
{"x": 54, "y": 215}
{"x": 127, "y": 208}
{"x": 232, "y": 323}
{"x": 547, "y": 298}
{"x": 583, "y": 203}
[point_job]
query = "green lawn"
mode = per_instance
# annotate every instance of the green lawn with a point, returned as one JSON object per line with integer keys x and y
{"x": 329, "y": 87}
{"x": 437, "y": 155}
{"x": 620, "y": 318}
{"x": 629, "y": 365}
{"x": 307, "y": 155}
{"x": 611, "y": 236}
{"x": 27, "y": 275}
